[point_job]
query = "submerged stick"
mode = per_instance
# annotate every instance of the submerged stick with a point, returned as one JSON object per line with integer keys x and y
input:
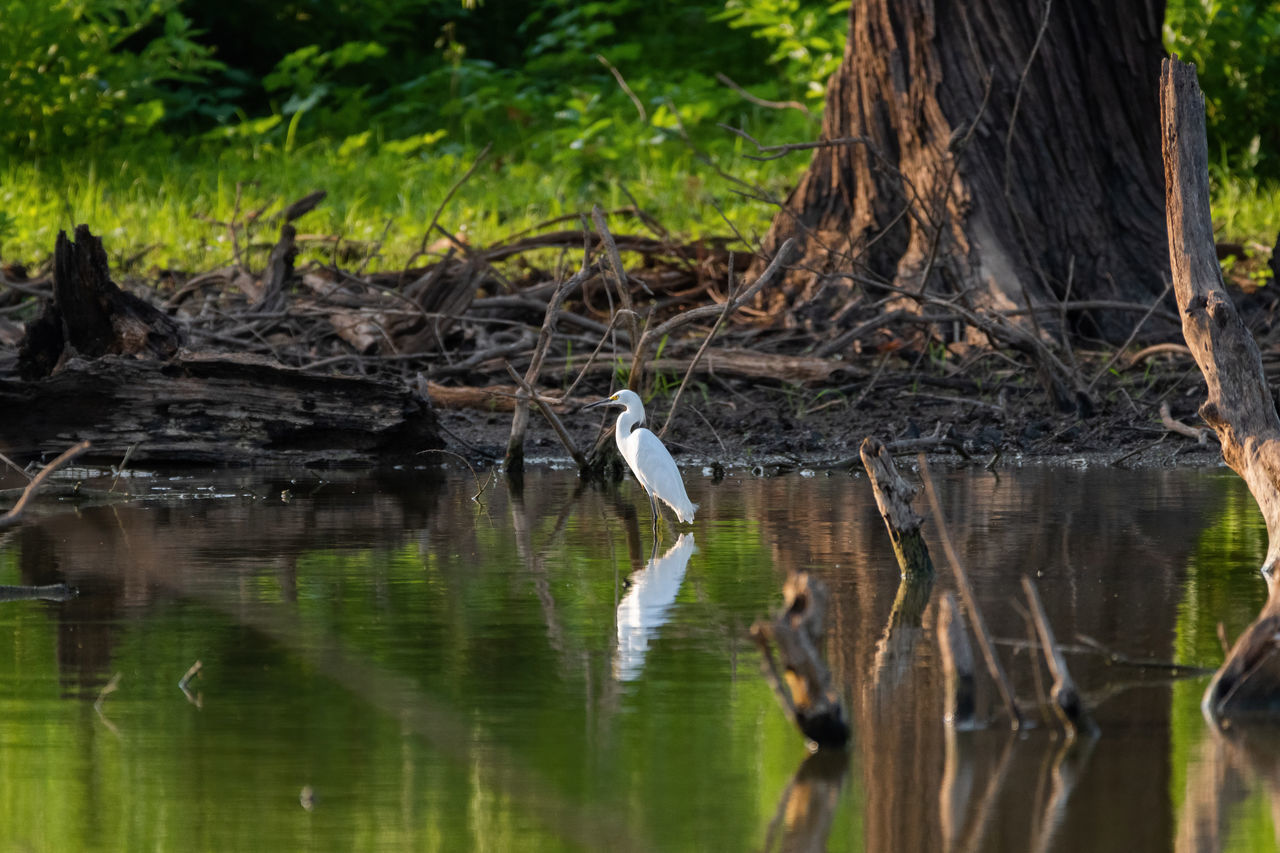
{"x": 14, "y": 515}
{"x": 971, "y": 604}
{"x": 960, "y": 701}
{"x": 1067, "y": 703}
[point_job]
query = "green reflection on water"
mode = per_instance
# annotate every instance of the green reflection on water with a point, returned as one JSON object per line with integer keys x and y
{"x": 1222, "y": 585}
{"x": 511, "y": 650}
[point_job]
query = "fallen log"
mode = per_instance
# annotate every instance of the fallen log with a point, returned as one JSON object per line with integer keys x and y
{"x": 1239, "y": 407}
{"x": 217, "y": 409}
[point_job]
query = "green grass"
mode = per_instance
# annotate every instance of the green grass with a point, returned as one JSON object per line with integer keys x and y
{"x": 162, "y": 195}
{"x": 1245, "y": 209}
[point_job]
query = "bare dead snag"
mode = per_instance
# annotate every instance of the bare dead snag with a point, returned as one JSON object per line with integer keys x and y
{"x": 279, "y": 269}
{"x": 90, "y": 315}
{"x": 960, "y": 697}
{"x": 1240, "y": 407}
{"x": 803, "y": 686}
{"x": 520, "y": 420}
{"x": 893, "y": 498}
{"x": 552, "y": 418}
{"x": 1067, "y": 703}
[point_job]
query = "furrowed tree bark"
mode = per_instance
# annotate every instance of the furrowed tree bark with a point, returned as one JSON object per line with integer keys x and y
{"x": 1240, "y": 407}
{"x": 1002, "y": 150}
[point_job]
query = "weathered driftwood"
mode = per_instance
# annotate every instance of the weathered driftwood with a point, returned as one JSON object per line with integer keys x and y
{"x": 1240, "y": 407}
{"x": 893, "y": 498}
{"x": 804, "y": 685}
{"x": 209, "y": 408}
{"x": 89, "y": 315}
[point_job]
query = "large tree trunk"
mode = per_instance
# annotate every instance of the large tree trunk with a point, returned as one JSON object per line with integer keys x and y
{"x": 1004, "y": 149}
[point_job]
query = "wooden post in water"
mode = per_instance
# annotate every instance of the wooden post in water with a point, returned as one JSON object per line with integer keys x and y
{"x": 893, "y": 497}
{"x": 1240, "y": 407}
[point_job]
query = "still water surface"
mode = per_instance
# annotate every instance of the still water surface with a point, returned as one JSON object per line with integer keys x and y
{"x": 388, "y": 665}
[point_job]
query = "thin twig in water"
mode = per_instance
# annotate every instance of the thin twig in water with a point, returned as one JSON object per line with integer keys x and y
{"x": 107, "y": 689}
{"x": 123, "y": 464}
{"x": 479, "y": 488}
{"x": 14, "y": 515}
{"x": 196, "y": 699}
{"x": 970, "y": 601}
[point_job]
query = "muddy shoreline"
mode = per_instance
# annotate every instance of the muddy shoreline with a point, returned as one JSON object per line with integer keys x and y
{"x": 762, "y": 429}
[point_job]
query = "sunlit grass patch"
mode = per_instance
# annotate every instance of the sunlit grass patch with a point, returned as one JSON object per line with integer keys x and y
{"x": 1245, "y": 209}
{"x": 159, "y": 205}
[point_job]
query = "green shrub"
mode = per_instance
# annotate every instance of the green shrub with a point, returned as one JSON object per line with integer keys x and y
{"x": 82, "y": 70}
{"x": 1236, "y": 49}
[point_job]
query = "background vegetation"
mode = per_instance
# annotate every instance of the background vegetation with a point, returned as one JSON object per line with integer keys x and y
{"x": 142, "y": 116}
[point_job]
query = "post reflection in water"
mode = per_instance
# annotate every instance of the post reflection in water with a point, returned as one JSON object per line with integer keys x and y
{"x": 438, "y": 673}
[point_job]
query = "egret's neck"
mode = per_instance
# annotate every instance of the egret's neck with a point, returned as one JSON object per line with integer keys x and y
{"x": 627, "y": 421}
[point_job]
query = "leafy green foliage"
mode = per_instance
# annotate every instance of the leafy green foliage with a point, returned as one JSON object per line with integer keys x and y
{"x": 1236, "y": 49}
{"x": 78, "y": 71}
{"x": 806, "y": 45}
{"x": 383, "y": 102}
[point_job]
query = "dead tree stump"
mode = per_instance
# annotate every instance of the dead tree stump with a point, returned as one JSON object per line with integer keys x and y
{"x": 90, "y": 315}
{"x": 1240, "y": 407}
{"x": 893, "y": 498}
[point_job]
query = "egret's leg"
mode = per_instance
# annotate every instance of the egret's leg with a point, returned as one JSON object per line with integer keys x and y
{"x": 653, "y": 506}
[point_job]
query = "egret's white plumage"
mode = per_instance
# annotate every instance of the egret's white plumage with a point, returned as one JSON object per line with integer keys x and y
{"x": 648, "y": 459}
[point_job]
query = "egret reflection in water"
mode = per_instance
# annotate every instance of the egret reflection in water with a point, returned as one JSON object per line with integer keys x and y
{"x": 647, "y": 604}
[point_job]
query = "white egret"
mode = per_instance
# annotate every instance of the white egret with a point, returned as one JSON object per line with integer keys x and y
{"x": 648, "y": 459}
